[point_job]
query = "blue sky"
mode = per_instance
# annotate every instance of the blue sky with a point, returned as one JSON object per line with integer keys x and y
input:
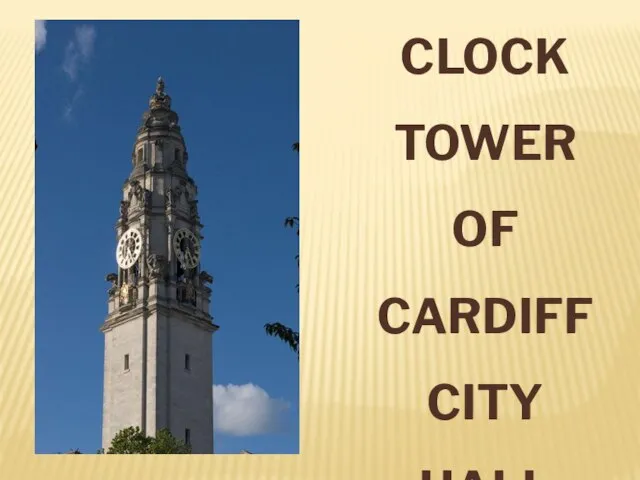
{"x": 235, "y": 87}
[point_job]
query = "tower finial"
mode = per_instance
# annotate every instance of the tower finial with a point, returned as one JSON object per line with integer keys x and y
{"x": 160, "y": 100}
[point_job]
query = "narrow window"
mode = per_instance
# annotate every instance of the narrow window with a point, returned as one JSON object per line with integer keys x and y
{"x": 126, "y": 362}
{"x": 139, "y": 156}
{"x": 187, "y": 362}
{"x": 187, "y": 436}
{"x": 178, "y": 159}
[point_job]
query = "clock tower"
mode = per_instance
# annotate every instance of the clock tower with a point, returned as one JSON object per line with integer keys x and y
{"x": 158, "y": 359}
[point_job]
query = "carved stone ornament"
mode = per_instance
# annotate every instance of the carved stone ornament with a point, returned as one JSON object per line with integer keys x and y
{"x": 186, "y": 292}
{"x": 193, "y": 211}
{"x": 157, "y": 265}
{"x": 205, "y": 278}
{"x": 124, "y": 209}
{"x": 185, "y": 189}
{"x": 113, "y": 278}
{"x": 191, "y": 292}
{"x": 160, "y": 116}
{"x": 146, "y": 200}
{"x": 142, "y": 195}
{"x": 173, "y": 196}
{"x": 169, "y": 199}
{"x": 135, "y": 190}
{"x": 128, "y": 294}
{"x": 160, "y": 100}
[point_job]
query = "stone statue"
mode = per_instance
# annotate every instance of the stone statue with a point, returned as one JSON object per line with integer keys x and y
{"x": 169, "y": 198}
{"x": 157, "y": 265}
{"x": 113, "y": 278}
{"x": 147, "y": 198}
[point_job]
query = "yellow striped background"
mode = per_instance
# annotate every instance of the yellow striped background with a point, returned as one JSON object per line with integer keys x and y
{"x": 376, "y": 226}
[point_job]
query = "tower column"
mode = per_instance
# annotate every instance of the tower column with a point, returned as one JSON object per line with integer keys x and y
{"x": 158, "y": 364}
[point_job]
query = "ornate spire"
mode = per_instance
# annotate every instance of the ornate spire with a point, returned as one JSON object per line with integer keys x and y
{"x": 160, "y": 115}
{"x": 160, "y": 100}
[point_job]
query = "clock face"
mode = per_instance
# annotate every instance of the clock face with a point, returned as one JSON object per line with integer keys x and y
{"x": 187, "y": 248}
{"x": 129, "y": 248}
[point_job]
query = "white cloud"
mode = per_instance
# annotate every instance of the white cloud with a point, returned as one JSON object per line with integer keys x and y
{"x": 78, "y": 53}
{"x": 68, "y": 109}
{"x": 244, "y": 410}
{"x": 41, "y": 34}
{"x": 85, "y": 37}
{"x": 79, "y": 50}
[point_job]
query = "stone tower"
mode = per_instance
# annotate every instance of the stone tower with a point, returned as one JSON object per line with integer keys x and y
{"x": 158, "y": 365}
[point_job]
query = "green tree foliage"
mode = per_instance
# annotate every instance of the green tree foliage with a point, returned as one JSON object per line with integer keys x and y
{"x": 293, "y": 222}
{"x": 166, "y": 443}
{"x": 284, "y": 333}
{"x": 73, "y": 452}
{"x": 132, "y": 440}
{"x": 276, "y": 329}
